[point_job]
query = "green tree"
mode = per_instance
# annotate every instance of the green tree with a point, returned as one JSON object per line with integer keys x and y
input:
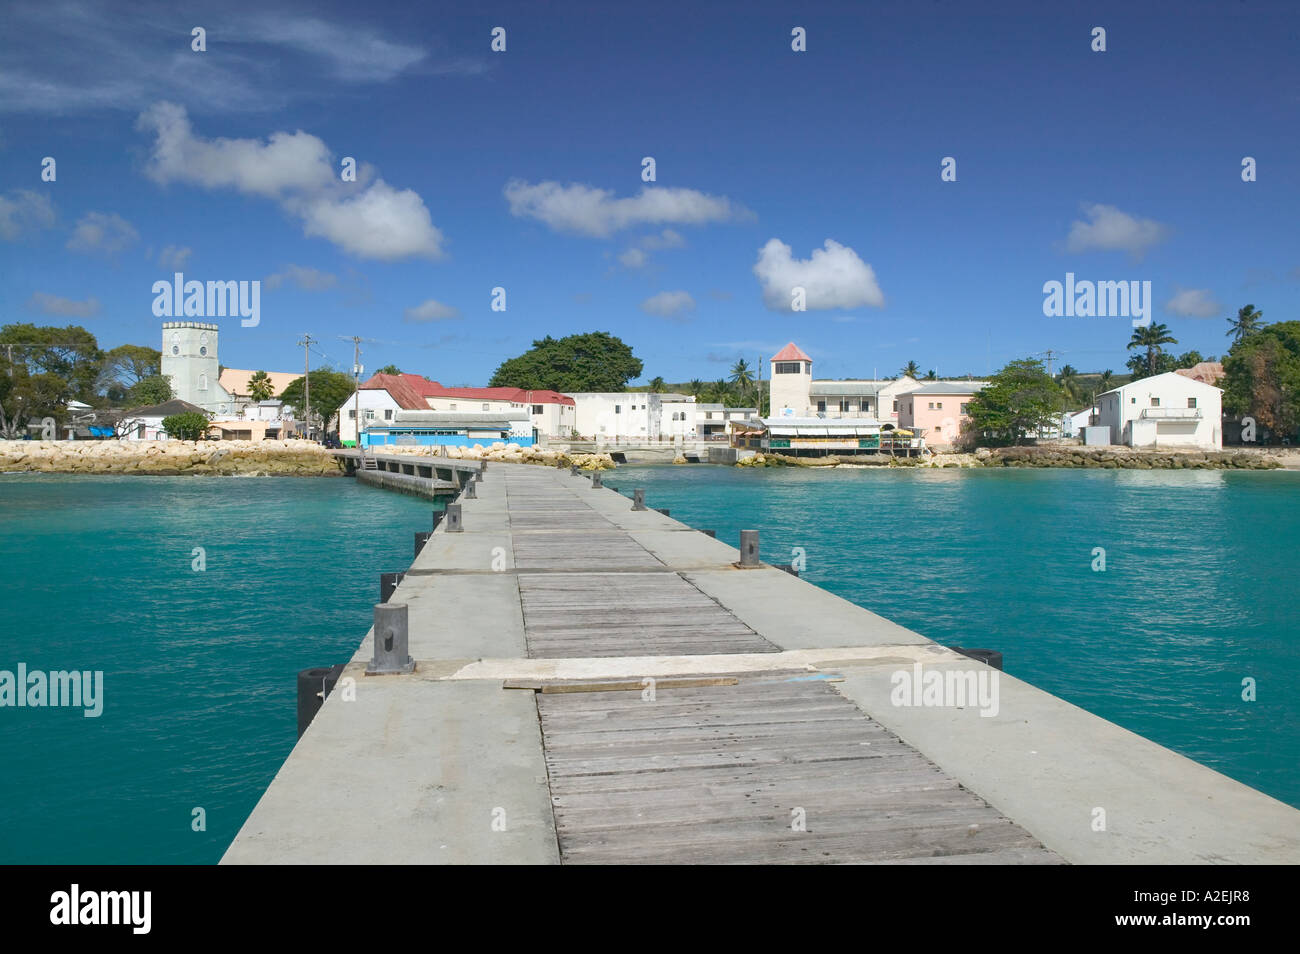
{"x": 260, "y": 387}
{"x": 190, "y": 426}
{"x": 1262, "y": 378}
{"x": 25, "y": 397}
{"x": 155, "y": 389}
{"x": 1067, "y": 378}
{"x": 595, "y": 361}
{"x": 695, "y": 388}
{"x": 1152, "y": 338}
{"x": 1247, "y": 323}
{"x": 125, "y": 366}
{"x": 1018, "y": 401}
{"x": 1105, "y": 382}
{"x": 658, "y": 385}
{"x": 931, "y": 375}
{"x": 71, "y": 354}
{"x": 909, "y": 370}
{"x": 742, "y": 376}
{"x": 389, "y": 369}
{"x": 329, "y": 389}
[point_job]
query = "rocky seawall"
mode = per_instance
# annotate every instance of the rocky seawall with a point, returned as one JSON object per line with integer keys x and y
{"x": 171, "y": 458}
{"x": 1056, "y": 456}
{"x": 508, "y": 453}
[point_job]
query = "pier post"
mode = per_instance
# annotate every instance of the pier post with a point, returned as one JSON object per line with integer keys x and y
{"x": 437, "y": 517}
{"x": 710, "y": 533}
{"x": 596, "y": 483}
{"x": 421, "y": 538}
{"x": 664, "y": 511}
{"x": 387, "y": 583}
{"x": 453, "y": 518}
{"x": 468, "y": 492}
{"x": 482, "y": 468}
{"x": 638, "y": 499}
{"x": 392, "y": 636}
{"x": 990, "y": 657}
{"x": 573, "y": 470}
{"x": 749, "y": 548}
{"x": 314, "y": 686}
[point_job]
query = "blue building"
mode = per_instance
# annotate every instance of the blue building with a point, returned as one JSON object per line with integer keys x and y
{"x": 455, "y": 428}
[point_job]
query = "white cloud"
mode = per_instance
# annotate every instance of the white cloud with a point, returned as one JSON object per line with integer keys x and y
{"x": 23, "y": 211}
{"x": 99, "y": 234}
{"x": 367, "y": 218}
{"x": 669, "y": 304}
{"x": 308, "y": 279}
{"x": 1110, "y": 230}
{"x": 64, "y": 307}
{"x": 586, "y": 210}
{"x": 430, "y": 311}
{"x": 834, "y": 277}
{"x": 349, "y": 51}
{"x": 634, "y": 258}
{"x": 665, "y": 239}
{"x": 175, "y": 257}
{"x": 1194, "y": 303}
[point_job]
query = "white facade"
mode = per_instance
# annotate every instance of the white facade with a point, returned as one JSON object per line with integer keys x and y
{"x": 376, "y": 406}
{"x": 712, "y": 419}
{"x": 677, "y": 416}
{"x": 1166, "y": 410}
{"x": 619, "y": 415}
{"x": 189, "y": 359}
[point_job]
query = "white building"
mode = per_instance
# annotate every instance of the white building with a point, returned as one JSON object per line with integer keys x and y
{"x": 629, "y": 415}
{"x": 1166, "y": 410}
{"x": 189, "y": 360}
{"x": 677, "y": 416}
{"x": 712, "y": 419}
{"x": 380, "y": 398}
{"x": 145, "y": 423}
{"x": 795, "y": 393}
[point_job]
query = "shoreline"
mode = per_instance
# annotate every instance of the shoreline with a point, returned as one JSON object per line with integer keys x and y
{"x": 1057, "y": 457}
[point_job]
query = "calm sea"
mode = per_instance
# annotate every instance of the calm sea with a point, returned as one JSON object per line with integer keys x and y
{"x": 199, "y": 666}
{"x": 1201, "y": 588}
{"x": 1199, "y": 592}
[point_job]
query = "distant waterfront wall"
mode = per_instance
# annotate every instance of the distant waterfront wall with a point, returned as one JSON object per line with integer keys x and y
{"x": 290, "y": 458}
{"x": 425, "y": 487}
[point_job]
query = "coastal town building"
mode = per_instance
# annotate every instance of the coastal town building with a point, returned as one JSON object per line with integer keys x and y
{"x": 713, "y": 420}
{"x": 383, "y": 396}
{"x": 1165, "y": 410}
{"x": 634, "y": 415}
{"x": 145, "y": 423}
{"x": 452, "y": 428}
{"x": 938, "y": 410}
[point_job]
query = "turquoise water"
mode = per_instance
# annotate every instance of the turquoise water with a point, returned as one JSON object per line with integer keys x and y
{"x": 199, "y": 667}
{"x": 1199, "y": 592}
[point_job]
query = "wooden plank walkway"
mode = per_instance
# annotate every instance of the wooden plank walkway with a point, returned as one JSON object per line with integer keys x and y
{"x": 772, "y": 734}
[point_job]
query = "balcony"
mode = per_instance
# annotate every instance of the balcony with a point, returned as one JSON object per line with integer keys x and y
{"x": 1172, "y": 413}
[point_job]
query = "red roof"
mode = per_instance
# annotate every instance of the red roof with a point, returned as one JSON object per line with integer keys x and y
{"x": 791, "y": 352}
{"x": 411, "y": 390}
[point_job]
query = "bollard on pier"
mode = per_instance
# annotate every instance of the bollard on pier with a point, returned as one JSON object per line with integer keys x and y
{"x": 596, "y": 481}
{"x": 392, "y": 637}
{"x": 638, "y": 499}
{"x": 454, "y": 524}
{"x": 749, "y": 548}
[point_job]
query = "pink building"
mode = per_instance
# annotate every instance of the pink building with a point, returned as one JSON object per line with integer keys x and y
{"x": 937, "y": 411}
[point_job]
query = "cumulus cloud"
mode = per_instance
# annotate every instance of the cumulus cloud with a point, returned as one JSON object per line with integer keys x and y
{"x": 669, "y": 304}
{"x": 834, "y": 277}
{"x": 430, "y": 311}
{"x": 23, "y": 211}
{"x": 175, "y": 257}
{"x": 97, "y": 233}
{"x": 63, "y": 307}
{"x": 367, "y": 218}
{"x": 634, "y": 258}
{"x": 1194, "y": 303}
{"x": 586, "y": 210}
{"x": 1110, "y": 230}
{"x": 308, "y": 279}
{"x": 637, "y": 255}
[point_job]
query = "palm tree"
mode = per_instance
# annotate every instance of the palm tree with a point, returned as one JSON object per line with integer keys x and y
{"x": 696, "y": 387}
{"x": 1104, "y": 383}
{"x": 1245, "y": 324}
{"x": 910, "y": 370}
{"x": 1066, "y": 377}
{"x": 931, "y": 375}
{"x": 1152, "y": 337}
{"x": 742, "y": 376}
{"x": 260, "y": 387}
{"x": 657, "y": 385}
{"x": 720, "y": 390}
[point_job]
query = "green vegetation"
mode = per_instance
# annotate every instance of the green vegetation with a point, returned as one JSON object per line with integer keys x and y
{"x": 389, "y": 369}
{"x": 190, "y": 426}
{"x": 1020, "y": 399}
{"x": 596, "y": 361}
{"x": 260, "y": 387}
{"x": 1262, "y": 377}
{"x": 329, "y": 389}
{"x": 155, "y": 389}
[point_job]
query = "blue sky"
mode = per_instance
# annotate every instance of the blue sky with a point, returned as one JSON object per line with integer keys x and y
{"x": 522, "y": 169}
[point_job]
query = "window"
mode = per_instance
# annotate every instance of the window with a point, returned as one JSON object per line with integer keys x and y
{"x": 964, "y": 407}
{"x": 844, "y": 404}
{"x": 203, "y": 382}
{"x": 1155, "y": 402}
{"x": 352, "y": 414}
{"x": 939, "y": 405}
{"x": 1191, "y": 402}
{"x": 708, "y": 415}
{"x": 821, "y": 405}
{"x": 931, "y": 405}
{"x": 537, "y": 409}
{"x": 453, "y": 405}
{"x": 388, "y": 414}
{"x": 618, "y": 409}
{"x": 789, "y": 367}
{"x": 370, "y": 414}
{"x": 1132, "y": 400}
{"x": 485, "y": 405}
{"x": 895, "y": 407}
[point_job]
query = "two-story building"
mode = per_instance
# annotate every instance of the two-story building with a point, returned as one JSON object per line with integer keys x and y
{"x": 938, "y": 411}
{"x": 1165, "y": 410}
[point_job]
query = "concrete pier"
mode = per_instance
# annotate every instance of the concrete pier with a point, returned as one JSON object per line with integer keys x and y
{"x": 595, "y": 684}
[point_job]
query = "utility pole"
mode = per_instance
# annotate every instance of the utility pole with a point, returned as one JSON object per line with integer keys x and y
{"x": 356, "y": 394}
{"x": 1049, "y": 354}
{"x": 306, "y": 384}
